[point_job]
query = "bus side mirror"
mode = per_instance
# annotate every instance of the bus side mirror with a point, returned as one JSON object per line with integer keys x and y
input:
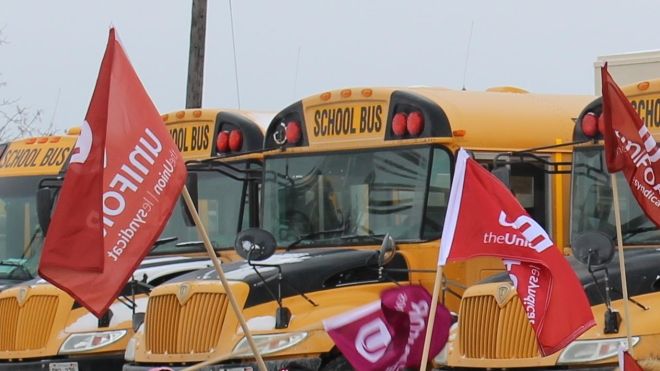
{"x": 191, "y": 184}
{"x": 254, "y": 244}
{"x": 387, "y": 251}
{"x": 503, "y": 173}
{"x": 45, "y": 200}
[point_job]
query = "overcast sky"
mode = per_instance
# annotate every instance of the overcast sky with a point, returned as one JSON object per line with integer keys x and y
{"x": 290, "y": 49}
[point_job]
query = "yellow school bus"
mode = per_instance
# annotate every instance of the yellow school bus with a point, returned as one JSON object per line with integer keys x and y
{"x": 592, "y": 218}
{"x": 24, "y": 164}
{"x": 341, "y": 170}
{"x": 41, "y": 327}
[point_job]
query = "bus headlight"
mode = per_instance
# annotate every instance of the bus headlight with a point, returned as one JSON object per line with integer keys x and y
{"x": 581, "y": 351}
{"x": 129, "y": 354}
{"x": 268, "y": 343}
{"x": 87, "y": 341}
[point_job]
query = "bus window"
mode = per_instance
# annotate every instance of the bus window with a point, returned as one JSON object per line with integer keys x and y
{"x": 438, "y": 196}
{"x": 359, "y": 193}
{"x": 528, "y": 183}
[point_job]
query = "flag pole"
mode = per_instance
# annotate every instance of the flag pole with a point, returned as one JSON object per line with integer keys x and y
{"x": 622, "y": 265}
{"x": 431, "y": 320}
{"x": 221, "y": 274}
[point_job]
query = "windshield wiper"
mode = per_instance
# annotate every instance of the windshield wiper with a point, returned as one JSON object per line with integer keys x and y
{"x": 635, "y": 231}
{"x": 311, "y": 235}
{"x": 18, "y": 265}
{"x": 197, "y": 244}
{"x": 163, "y": 241}
{"x": 371, "y": 237}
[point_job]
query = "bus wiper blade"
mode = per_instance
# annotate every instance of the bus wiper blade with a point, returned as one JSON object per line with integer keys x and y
{"x": 198, "y": 243}
{"x": 635, "y": 231}
{"x": 18, "y": 265}
{"x": 312, "y": 235}
{"x": 164, "y": 240}
{"x": 11, "y": 263}
{"x": 371, "y": 237}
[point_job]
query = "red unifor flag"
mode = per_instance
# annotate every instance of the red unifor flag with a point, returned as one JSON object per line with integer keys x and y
{"x": 629, "y": 146}
{"x": 388, "y": 334}
{"x": 123, "y": 180}
{"x": 627, "y": 362}
{"x": 485, "y": 219}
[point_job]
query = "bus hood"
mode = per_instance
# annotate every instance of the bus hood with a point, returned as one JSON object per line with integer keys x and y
{"x": 303, "y": 271}
{"x": 642, "y": 273}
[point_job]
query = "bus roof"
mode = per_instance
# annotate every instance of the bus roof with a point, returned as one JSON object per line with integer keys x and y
{"x": 530, "y": 120}
{"x": 500, "y": 119}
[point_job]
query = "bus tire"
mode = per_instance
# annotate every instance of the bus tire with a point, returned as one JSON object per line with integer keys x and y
{"x": 338, "y": 363}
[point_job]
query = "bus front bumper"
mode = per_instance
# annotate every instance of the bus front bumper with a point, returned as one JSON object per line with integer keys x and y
{"x": 308, "y": 363}
{"x": 80, "y": 363}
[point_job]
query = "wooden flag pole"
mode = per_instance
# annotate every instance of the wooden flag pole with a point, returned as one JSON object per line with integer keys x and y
{"x": 221, "y": 274}
{"x": 622, "y": 264}
{"x": 431, "y": 321}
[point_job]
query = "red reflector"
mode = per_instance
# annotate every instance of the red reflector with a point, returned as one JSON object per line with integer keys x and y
{"x": 415, "y": 123}
{"x": 235, "y": 140}
{"x": 399, "y": 124}
{"x": 222, "y": 143}
{"x": 590, "y": 125}
{"x": 293, "y": 132}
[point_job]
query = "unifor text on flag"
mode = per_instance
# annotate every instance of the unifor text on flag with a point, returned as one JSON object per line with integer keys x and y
{"x": 124, "y": 178}
{"x": 485, "y": 219}
{"x": 630, "y": 147}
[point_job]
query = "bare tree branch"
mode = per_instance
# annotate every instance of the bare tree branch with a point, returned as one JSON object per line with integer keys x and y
{"x": 17, "y": 121}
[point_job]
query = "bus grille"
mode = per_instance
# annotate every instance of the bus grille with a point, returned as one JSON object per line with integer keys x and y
{"x": 488, "y": 331}
{"x": 172, "y": 328}
{"x": 26, "y": 327}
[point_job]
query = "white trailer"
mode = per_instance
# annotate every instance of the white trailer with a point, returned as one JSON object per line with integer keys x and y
{"x": 628, "y": 68}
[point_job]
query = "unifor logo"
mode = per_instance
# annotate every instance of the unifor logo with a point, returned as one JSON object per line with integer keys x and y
{"x": 536, "y": 238}
{"x": 83, "y": 145}
{"x": 372, "y": 340}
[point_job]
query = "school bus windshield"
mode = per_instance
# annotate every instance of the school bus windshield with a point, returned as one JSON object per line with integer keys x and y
{"x": 20, "y": 236}
{"x": 220, "y": 209}
{"x": 338, "y": 198}
{"x": 592, "y": 201}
